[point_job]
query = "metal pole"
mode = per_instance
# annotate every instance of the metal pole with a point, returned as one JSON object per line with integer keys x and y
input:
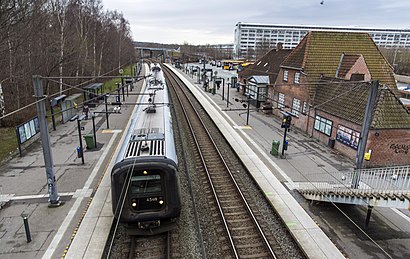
{"x": 52, "y": 117}
{"x": 247, "y": 112}
{"x": 123, "y": 91}
{"x": 81, "y": 142}
{"x": 369, "y": 213}
{"x": 284, "y": 141}
{"x": 223, "y": 88}
{"x": 204, "y": 74}
{"x": 106, "y": 111}
{"x": 26, "y": 228}
{"x": 94, "y": 131}
{"x": 118, "y": 91}
{"x": 227, "y": 95}
{"x": 45, "y": 142}
{"x": 19, "y": 141}
{"x": 367, "y": 120}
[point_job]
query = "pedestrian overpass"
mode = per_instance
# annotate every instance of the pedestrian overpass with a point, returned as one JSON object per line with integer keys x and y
{"x": 376, "y": 187}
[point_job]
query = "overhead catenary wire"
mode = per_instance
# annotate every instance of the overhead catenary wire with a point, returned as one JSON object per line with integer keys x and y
{"x": 120, "y": 206}
{"x": 358, "y": 84}
{"x": 337, "y": 207}
{"x": 55, "y": 94}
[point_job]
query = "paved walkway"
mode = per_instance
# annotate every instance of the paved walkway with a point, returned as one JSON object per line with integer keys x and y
{"x": 23, "y": 188}
{"x": 307, "y": 159}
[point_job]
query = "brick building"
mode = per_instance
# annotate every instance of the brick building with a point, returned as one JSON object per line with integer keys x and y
{"x": 268, "y": 65}
{"x": 324, "y": 82}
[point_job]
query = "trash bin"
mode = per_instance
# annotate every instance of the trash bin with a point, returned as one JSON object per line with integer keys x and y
{"x": 331, "y": 143}
{"x": 79, "y": 152}
{"x": 89, "y": 140}
{"x": 275, "y": 148}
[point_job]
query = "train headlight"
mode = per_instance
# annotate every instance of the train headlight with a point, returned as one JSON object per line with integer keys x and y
{"x": 161, "y": 202}
{"x": 145, "y": 172}
{"x": 134, "y": 204}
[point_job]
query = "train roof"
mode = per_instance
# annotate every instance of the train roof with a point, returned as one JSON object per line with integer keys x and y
{"x": 147, "y": 135}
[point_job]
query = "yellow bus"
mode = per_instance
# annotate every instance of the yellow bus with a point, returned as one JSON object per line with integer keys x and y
{"x": 230, "y": 64}
{"x": 243, "y": 65}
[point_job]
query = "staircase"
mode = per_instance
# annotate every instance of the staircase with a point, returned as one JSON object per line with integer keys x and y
{"x": 377, "y": 187}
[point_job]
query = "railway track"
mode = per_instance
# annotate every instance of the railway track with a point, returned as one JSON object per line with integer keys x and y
{"x": 150, "y": 247}
{"x": 243, "y": 233}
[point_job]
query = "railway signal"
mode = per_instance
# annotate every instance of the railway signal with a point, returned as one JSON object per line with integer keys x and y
{"x": 286, "y": 122}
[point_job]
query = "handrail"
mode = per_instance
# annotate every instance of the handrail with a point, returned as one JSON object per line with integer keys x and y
{"x": 386, "y": 180}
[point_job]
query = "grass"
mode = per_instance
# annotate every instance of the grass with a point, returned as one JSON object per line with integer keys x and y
{"x": 110, "y": 85}
{"x": 8, "y": 140}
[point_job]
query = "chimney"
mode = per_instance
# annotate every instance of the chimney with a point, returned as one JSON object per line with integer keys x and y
{"x": 279, "y": 46}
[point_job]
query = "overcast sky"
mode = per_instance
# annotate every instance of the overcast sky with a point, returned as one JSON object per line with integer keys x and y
{"x": 213, "y": 21}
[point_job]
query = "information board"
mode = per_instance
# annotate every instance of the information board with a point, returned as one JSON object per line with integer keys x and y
{"x": 28, "y": 129}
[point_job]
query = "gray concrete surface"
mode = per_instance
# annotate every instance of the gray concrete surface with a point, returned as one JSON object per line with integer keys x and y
{"x": 25, "y": 178}
{"x": 23, "y": 187}
{"x": 389, "y": 231}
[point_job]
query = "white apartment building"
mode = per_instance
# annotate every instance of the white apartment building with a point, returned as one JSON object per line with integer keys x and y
{"x": 249, "y": 35}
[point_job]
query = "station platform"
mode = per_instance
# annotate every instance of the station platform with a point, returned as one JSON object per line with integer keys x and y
{"x": 80, "y": 227}
{"x": 23, "y": 187}
{"x": 312, "y": 240}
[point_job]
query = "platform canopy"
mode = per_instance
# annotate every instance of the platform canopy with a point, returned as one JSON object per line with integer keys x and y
{"x": 94, "y": 87}
{"x": 258, "y": 80}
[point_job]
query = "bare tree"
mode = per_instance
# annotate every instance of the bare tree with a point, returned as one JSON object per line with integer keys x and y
{"x": 56, "y": 38}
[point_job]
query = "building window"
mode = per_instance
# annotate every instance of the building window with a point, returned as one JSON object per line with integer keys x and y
{"x": 295, "y": 106}
{"x": 304, "y": 109}
{"x": 251, "y": 91}
{"x": 297, "y": 78}
{"x": 285, "y": 75}
{"x": 323, "y": 125}
{"x": 348, "y": 136}
{"x": 281, "y": 101}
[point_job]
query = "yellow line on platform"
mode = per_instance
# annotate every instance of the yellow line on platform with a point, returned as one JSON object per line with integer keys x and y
{"x": 242, "y": 127}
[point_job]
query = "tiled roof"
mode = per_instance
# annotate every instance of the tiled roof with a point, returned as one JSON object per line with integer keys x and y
{"x": 390, "y": 113}
{"x": 268, "y": 65}
{"x": 319, "y": 53}
{"x": 348, "y": 100}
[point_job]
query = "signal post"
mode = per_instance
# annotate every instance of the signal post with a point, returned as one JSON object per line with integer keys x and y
{"x": 286, "y": 120}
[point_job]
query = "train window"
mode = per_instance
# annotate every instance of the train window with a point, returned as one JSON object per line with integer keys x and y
{"x": 142, "y": 184}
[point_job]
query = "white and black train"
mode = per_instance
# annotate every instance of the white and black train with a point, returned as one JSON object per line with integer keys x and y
{"x": 146, "y": 166}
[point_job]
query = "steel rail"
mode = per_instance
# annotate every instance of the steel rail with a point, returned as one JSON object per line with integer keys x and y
{"x": 249, "y": 210}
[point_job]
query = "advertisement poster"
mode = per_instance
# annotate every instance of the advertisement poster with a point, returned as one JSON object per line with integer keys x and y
{"x": 348, "y": 136}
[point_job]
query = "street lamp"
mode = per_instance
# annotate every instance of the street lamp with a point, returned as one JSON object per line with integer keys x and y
{"x": 245, "y": 105}
{"x": 227, "y": 92}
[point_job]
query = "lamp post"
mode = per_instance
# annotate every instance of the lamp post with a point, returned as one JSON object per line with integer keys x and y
{"x": 245, "y": 105}
{"x": 198, "y": 74}
{"x": 81, "y": 151}
{"x": 106, "y": 109}
{"x": 247, "y": 111}
{"x": 118, "y": 91}
{"x": 227, "y": 92}
{"x": 223, "y": 88}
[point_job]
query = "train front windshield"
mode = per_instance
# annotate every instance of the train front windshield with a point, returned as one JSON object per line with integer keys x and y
{"x": 147, "y": 190}
{"x": 145, "y": 184}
